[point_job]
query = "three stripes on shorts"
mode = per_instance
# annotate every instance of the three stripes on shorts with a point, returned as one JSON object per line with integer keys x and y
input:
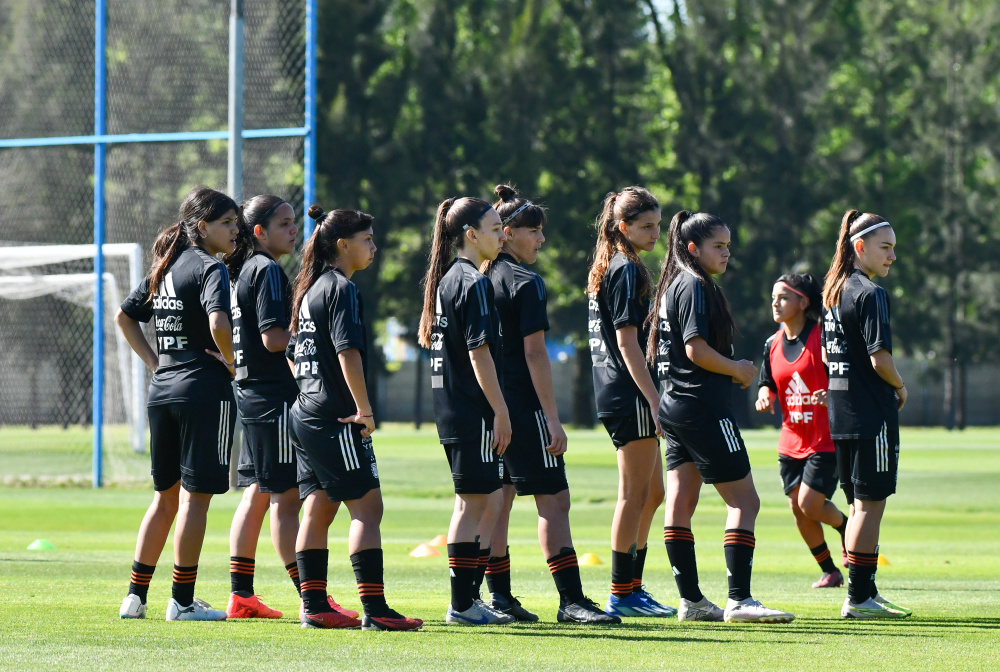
{"x": 729, "y": 432}
{"x": 225, "y": 433}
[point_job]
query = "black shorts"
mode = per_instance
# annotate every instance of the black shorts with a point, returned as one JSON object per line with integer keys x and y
{"x": 476, "y": 469}
{"x": 333, "y": 456}
{"x": 190, "y": 442}
{"x": 870, "y": 465}
{"x": 818, "y": 471}
{"x": 527, "y": 465}
{"x": 267, "y": 455}
{"x": 715, "y": 446}
{"x": 635, "y": 425}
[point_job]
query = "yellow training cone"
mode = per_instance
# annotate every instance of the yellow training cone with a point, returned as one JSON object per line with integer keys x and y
{"x": 440, "y": 541}
{"x": 882, "y": 560}
{"x": 590, "y": 559}
{"x": 424, "y": 551}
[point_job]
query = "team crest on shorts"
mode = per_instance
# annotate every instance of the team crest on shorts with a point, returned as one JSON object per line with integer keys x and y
{"x": 374, "y": 468}
{"x": 501, "y": 467}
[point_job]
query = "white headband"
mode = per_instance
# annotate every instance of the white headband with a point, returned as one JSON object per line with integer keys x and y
{"x": 515, "y": 213}
{"x": 870, "y": 228}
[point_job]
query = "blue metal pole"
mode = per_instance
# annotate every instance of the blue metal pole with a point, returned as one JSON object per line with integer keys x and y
{"x": 100, "y": 82}
{"x": 309, "y": 148}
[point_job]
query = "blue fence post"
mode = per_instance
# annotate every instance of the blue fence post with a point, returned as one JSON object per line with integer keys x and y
{"x": 100, "y": 81}
{"x": 309, "y": 146}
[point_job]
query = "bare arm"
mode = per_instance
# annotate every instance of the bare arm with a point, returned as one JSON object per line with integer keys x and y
{"x": 222, "y": 334}
{"x": 276, "y": 339}
{"x": 702, "y": 354}
{"x": 885, "y": 367}
{"x": 537, "y": 358}
{"x": 486, "y": 375}
{"x": 635, "y": 362}
{"x": 354, "y": 375}
{"x": 132, "y": 331}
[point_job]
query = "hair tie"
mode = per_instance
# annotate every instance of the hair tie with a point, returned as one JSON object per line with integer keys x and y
{"x": 792, "y": 289}
{"x": 870, "y": 228}
{"x": 515, "y": 213}
{"x": 616, "y": 198}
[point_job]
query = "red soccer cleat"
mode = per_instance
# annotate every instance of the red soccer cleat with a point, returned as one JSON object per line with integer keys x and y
{"x": 249, "y": 607}
{"x": 392, "y": 621}
{"x": 350, "y": 613}
{"x": 329, "y": 619}
{"x": 830, "y": 580}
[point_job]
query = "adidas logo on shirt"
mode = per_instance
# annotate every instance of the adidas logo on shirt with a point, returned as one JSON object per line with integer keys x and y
{"x": 797, "y": 394}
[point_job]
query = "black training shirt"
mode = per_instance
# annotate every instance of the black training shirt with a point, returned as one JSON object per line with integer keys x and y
{"x": 860, "y": 402}
{"x": 690, "y": 393}
{"x": 465, "y": 318}
{"x": 520, "y": 303}
{"x": 195, "y": 286}
{"x": 618, "y": 304}
{"x": 791, "y": 348}
{"x": 331, "y": 320}
{"x": 261, "y": 300}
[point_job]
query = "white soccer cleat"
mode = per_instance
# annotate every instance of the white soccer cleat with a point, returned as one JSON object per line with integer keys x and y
{"x": 869, "y": 609}
{"x": 479, "y": 613}
{"x": 891, "y": 606}
{"x": 752, "y": 611}
{"x": 199, "y": 610}
{"x": 703, "y": 610}
{"x": 132, "y": 607}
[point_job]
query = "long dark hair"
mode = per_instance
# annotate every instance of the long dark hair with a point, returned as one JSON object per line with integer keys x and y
{"x": 200, "y": 205}
{"x": 625, "y": 206}
{"x": 321, "y": 248}
{"x": 258, "y": 210}
{"x": 843, "y": 259}
{"x": 453, "y": 215}
{"x": 808, "y": 285}
{"x": 692, "y": 227}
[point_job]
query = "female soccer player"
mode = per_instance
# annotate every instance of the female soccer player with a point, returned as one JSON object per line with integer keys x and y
{"x": 191, "y": 409}
{"x": 533, "y": 462}
{"x": 693, "y": 347}
{"x": 865, "y": 396}
{"x": 461, "y": 328}
{"x": 332, "y": 421}
{"x": 793, "y": 372}
{"x": 619, "y": 288}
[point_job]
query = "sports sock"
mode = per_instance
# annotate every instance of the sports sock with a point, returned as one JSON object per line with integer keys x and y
{"x": 241, "y": 575}
{"x": 182, "y": 589}
{"x": 566, "y": 573}
{"x": 498, "y": 574}
{"x": 861, "y": 576}
{"x": 141, "y": 576}
{"x": 293, "y": 573}
{"x": 842, "y": 528}
{"x": 822, "y": 556}
{"x": 738, "y": 546}
{"x": 367, "y": 566}
{"x": 874, "y": 587}
{"x": 484, "y": 559}
{"x": 312, "y": 564}
{"x": 463, "y": 562}
{"x": 622, "y": 566}
{"x": 637, "y": 566}
{"x": 680, "y": 551}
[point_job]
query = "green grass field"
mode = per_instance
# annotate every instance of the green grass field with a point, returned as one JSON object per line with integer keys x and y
{"x": 59, "y": 608}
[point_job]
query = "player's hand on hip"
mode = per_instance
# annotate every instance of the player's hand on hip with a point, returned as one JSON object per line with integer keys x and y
{"x": 359, "y": 418}
{"x": 218, "y": 356}
{"x": 559, "y": 442}
{"x": 745, "y": 371}
{"x": 501, "y": 432}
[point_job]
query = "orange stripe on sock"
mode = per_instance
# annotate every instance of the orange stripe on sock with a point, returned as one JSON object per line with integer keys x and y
{"x": 314, "y": 585}
{"x": 563, "y": 563}
{"x": 498, "y": 567}
{"x": 674, "y": 535}
{"x": 293, "y": 572}
{"x": 465, "y": 563}
{"x": 825, "y": 555}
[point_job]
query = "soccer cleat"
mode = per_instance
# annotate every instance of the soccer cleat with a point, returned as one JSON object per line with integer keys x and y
{"x": 630, "y": 605}
{"x": 662, "y": 610}
{"x": 199, "y": 610}
{"x": 350, "y": 613}
{"x": 869, "y": 609}
{"x": 479, "y": 613}
{"x": 328, "y": 620}
{"x": 830, "y": 580}
{"x": 249, "y": 607}
{"x": 510, "y": 605}
{"x": 392, "y": 621}
{"x": 752, "y": 611}
{"x": 132, "y": 607}
{"x": 891, "y": 606}
{"x": 703, "y": 610}
{"x": 584, "y": 611}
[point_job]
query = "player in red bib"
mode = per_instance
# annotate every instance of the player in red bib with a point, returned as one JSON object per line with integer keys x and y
{"x": 794, "y": 374}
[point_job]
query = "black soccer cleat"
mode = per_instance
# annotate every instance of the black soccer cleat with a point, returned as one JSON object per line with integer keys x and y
{"x": 510, "y": 605}
{"x": 584, "y": 611}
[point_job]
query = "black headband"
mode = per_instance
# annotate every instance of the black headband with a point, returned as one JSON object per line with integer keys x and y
{"x": 466, "y": 227}
{"x": 270, "y": 211}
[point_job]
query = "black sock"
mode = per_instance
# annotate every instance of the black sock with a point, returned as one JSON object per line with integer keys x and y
{"x": 484, "y": 559}
{"x": 368, "y": 572}
{"x": 738, "y": 546}
{"x": 638, "y": 565}
{"x": 680, "y": 551}
{"x": 861, "y": 576}
{"x": 498, "y": 575}
{"x": 566, "y": 573}
{"x": 463, "y": 562}
{"x": 141, "y": 576}
{"x": 312, "y": 564}
{"x": 241, "y": 575}
{"x": 293, "y": 573}
{"x": 622, "y": 566}
{"x": 874, "y": 587}
{"x": 182, "y": 589}
{"x": 842, "y": 528}
{"x": 822, "y": 556}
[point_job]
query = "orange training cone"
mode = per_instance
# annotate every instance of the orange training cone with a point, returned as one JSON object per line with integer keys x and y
{"x": 424, "y": 551}
{"x": 439, "y": 541}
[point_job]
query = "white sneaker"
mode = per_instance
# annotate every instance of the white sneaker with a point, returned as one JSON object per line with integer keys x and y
{"x": 479, "y": 613}
{"x": 132, "y": 607}
{"x": 199, "y": 610}
{"x": 703, "y": 610}
{"x": 869, "y": 609}
{"x": 752, "y": 611}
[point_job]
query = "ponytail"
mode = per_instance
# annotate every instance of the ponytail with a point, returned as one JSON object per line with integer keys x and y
{"x": 617, "y": 207}
{"x": 843, "y": 258}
